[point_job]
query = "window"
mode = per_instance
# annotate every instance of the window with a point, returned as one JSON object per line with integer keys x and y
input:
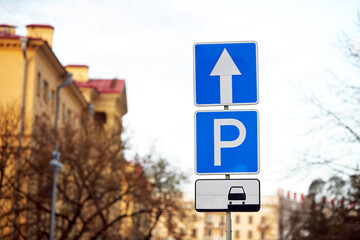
{"x": 222, "y": 220}
{"x": 194, "y": 217}
{"x": 70, "y": 117}
{"x": 250, "y": 219}
{"x": 249, "y": 234}
{"x": 38, "y": 84}
{"x": 64, "y": 115}
{"x": 45, "y": 92}
{"x": 100, "y": 118}
{"x": 193, "y": 233}
{"x": 262, "y": 234}
{"x": 237, "y": 219}
{"x": 237, "y": 234}
{"x": 52, "y": 99}
{"x": 209, "y": 232}
{"x": 263, "y": 219}
{"x": 209, "y": 218}
{"x": 41, "y": 85}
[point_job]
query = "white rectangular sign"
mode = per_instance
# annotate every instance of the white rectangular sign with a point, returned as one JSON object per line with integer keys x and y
{"x": 227, "y": 195}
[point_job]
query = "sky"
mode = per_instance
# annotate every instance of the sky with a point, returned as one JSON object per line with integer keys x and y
{"x": 150, "y": 45}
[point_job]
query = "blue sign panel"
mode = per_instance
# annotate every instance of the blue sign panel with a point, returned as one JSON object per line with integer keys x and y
{"x": 225, "y": 73}
{"x": 227, "y": 142}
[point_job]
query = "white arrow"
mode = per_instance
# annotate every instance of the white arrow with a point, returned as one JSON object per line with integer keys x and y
{"x": 225, "y": 68}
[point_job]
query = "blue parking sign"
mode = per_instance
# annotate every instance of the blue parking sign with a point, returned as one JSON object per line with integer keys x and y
{"x": 225, "y": 73}
{"x": 227, "y": 142}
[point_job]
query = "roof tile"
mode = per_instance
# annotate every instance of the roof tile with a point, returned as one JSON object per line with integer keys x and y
{"x": 103, "y": 85}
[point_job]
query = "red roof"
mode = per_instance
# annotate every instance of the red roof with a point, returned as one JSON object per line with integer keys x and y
{"x": 77, "y": 65}
{"x": 6, "y": 25}
{"x": 9, "y": 35}
{"x": 14, "y": 36}
{"x": 103, "y": 85}
{"x": 40, "y": 26}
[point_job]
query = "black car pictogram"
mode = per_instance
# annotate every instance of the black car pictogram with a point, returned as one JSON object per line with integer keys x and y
{"x": 236, "y": 194}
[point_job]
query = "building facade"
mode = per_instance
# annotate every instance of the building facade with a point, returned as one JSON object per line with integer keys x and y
{"x": 270, "y": 223}
{"x": 30, "y": 74}
{"x": 41, "y": 71}
{"x": 262, "y": 225}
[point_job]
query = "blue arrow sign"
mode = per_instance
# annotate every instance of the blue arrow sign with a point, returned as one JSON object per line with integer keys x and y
{"x": 226, "y": 142}
{"x": 225, "y": 73}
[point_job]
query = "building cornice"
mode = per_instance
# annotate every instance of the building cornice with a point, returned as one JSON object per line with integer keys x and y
{"x": 78, "y": 94}
{"x": 39, "y": 26}
{"x": 49, "y": 54}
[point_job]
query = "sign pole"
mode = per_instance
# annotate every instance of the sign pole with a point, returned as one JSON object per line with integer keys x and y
{"x": 228, "y": 218}
{"x": 228, "y": 214}
{"x": 235, "y": 56}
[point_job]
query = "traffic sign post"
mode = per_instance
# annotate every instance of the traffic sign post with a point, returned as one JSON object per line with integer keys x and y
{"x": 226, "y": 142}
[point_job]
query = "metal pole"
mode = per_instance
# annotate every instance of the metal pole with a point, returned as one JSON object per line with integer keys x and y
{"x": 228, "y": 218}
{"x": 55, "y": 162}
{"x": 23, "y": 43}
{"x": 228, "y": 214}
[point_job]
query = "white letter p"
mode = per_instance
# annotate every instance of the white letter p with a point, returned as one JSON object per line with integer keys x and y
{"x": 218, "y": 144}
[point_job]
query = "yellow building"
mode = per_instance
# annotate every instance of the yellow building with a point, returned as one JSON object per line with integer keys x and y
{"x": 267, "y": 224}
{"x": 108, "y": 96}
{"x": 188, "y": 225}
{"x": 30, "y": 68}
{"x": 41, "y": 72}
{"x": 44, "y": 73}
{"x": 262, "y": 225}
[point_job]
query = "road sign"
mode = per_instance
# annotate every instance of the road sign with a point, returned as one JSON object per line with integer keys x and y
{"x": 227, "y": 195}
{"x": 225, "y": 73}
{"x": 227, "y": 142}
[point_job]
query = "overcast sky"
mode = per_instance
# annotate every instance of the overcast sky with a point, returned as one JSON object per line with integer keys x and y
{"x": 150, "y": 45}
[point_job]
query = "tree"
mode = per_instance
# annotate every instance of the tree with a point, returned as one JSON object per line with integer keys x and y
{"x": 100, "y": 194}
{"x": 9, "y": 154}
{"x": 329, "y": 212}
{"x": 334, "y": 145}
{"x": 97, "y": 188}
{"x": 166, "y": 195}
{"x": 332, "y": 138}
{"x": 8, "y": 140}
